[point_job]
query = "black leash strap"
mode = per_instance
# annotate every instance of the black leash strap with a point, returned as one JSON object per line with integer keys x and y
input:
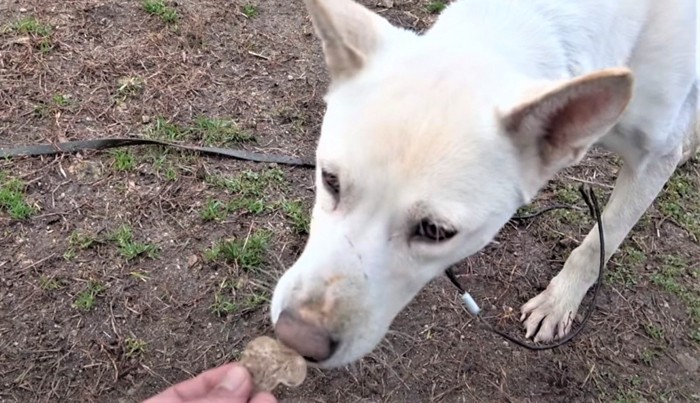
{"x": 101, "y": 144}
{"x": 590, "y": 198}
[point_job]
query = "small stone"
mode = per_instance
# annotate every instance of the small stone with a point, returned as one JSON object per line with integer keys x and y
{"x": 386, "y": 3}
{"x": 145, "y": 119}
{"x": 688, "y": 362}
{"x": 86, "y": 170}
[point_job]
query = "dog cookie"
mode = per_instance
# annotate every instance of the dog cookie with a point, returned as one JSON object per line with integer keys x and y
{"x": 272, "y": 363}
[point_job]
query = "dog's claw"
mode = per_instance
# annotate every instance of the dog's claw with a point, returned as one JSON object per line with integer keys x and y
{"x": 548, "y": 316}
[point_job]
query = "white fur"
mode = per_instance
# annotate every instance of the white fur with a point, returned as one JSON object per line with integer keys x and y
{"x": 430, "y": 126}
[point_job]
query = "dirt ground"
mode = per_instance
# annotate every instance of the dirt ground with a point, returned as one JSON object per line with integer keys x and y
{"x": 123, "y": 272}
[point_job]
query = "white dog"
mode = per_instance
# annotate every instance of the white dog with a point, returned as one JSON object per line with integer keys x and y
{"x": 431, "y": 142}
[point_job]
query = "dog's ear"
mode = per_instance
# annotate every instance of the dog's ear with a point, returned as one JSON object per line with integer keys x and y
{"x": 350, "y": 33}
{"x": 557, "y": 127}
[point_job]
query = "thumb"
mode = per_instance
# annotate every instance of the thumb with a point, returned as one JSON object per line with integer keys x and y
{"x": 236, "y": 386}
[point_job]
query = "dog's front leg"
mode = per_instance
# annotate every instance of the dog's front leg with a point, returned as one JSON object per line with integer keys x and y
{"x": 634, "y": 192}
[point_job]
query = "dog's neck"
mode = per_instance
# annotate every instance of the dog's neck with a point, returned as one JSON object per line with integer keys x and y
{"x": 528, "y": 35}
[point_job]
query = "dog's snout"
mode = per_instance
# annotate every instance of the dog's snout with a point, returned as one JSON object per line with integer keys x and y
{"x": 309, "y": 339}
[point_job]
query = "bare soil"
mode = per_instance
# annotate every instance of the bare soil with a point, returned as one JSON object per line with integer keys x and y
{"x": 108, "y": 68}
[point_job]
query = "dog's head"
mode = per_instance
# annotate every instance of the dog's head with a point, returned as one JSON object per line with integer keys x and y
{"x": 425, "y": 153}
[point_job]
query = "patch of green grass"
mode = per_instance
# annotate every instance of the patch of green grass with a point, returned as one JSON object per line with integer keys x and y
{"x": 681, "y": 202}
{"x": 158, "y": 8}
{"x": 292, "y": 118}
{"x": 526, "y": 210}
{"x": 129, "y": 86}
{"x": 85, "y": 301}
{"x": 171, "y": 174}
{"x": 298, "y": 215}
{"x": 31, "y": 26}
{"x": 45, "y": 45}
{"x": 568, "y": 194}
{"x": 633, "y": 256}
{"x": 273, "y": 175}
{"x": 41, "y": 110}
{"x": 573, "y": 218}
{"x": 653, "y": 331}
{"x": 621, "y": 275}
{"x": 255, "y": 301}
{"x": 636, "y": 381}
{"x": 644, "y": 224}
{"x": 250, "y": 10}
{"x": 61, "y": 100}
{"x": 250, "y": 205}
{"x": 141, "y": 276}
{"x": 12, "y": 198}
{"x": 248, "y": 254}
{"x": 70, "y": 254}
{"x": 667, "y": 277}
{"x": 124, "y": 160}
{"x": 648, "y": 356}
{"x": 624, "y": 274}
{"x": 50, "y": 283}
{"x": 81, "y": 241}
{"x": 672, "y": 277}
{"x": 628, "y": 396}
{"x": 250, "y": 183}
{"x": 57, "y": 103}
{"x": 212, "y": 254}
{"x": 250, "y": 188}
{"x": 695, "y": 335}
{"x": 163, "y": 129}
{"x": 134, "y": 347}
{"x": 129, "y": 248}
{"x": 668, "y": 283}
{"x": 436, "y": 7}
{"x": 163, "y": 166}
{"x": 78, "y": 241}
{"x": 218, "y": 132}
{"x": 214, "y": 210}
{"x": 222, "y": 306}
{"x": 213, "y": 132}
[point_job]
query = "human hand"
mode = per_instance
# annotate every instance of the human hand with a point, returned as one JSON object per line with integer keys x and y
{"x": 230, "y": 383}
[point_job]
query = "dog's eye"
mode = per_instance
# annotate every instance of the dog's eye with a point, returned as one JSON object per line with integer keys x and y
{"x": 426, "y": 230}
{"x": 331, "y": 182}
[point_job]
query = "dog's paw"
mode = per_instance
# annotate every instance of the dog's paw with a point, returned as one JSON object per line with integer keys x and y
{"x": 549, "y": 315}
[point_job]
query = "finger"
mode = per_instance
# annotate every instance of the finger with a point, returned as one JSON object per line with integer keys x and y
{"x": 237, "y": 382}
{"x": 193, "y": 388}
{"x": 235, "y": 386}
{"x": 263, "y": 397}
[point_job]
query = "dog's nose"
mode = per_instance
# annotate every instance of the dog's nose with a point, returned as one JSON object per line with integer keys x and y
{"x": 311, "y": 340}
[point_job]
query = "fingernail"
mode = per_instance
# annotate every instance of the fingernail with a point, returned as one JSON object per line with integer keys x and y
{"x": 234, "y": 378}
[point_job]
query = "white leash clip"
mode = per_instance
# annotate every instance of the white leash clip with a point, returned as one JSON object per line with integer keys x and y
{"x": 471, "y": 304}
